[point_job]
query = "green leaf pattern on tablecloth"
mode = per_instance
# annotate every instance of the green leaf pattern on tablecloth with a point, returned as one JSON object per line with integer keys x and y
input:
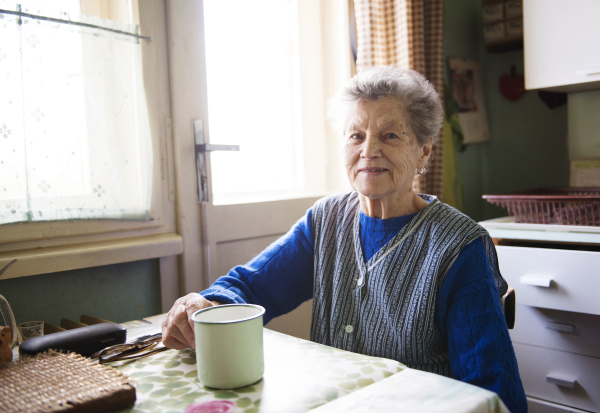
{"x": 167, "y": 381}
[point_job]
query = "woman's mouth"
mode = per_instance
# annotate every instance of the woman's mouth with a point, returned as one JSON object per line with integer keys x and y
{"x": 372, "y": 171}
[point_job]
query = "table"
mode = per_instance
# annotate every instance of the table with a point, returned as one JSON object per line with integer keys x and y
{"x": 299, "y": 376}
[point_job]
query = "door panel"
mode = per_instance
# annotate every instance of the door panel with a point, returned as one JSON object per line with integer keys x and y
{"x": 218, "y": 237}
{"x": 238, "y": 252}
{"x": 237, "y": 233}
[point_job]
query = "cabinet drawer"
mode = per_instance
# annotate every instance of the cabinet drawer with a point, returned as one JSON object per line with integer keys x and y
{"x": 541, "y": 369}
{"x": 541, "y": 406}
{"x": 559, "y": 330}
{"x": 551, "y": 278}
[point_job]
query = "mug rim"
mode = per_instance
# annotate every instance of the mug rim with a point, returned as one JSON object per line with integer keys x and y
{"x": 259, "y": 307}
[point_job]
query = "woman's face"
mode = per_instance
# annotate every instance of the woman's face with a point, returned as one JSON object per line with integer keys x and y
{"x": 381, "y": 154}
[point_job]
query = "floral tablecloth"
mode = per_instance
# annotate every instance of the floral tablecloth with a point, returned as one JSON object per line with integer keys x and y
{"x": 299, "y": 376}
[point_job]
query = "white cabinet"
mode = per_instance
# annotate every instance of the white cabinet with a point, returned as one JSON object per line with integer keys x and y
{"x": 562, "y": 44}
{"x": 559, "y": 377}
{"x": 555, "y": 271}
{"x": 557, "y": 324}
{"x": 553, "y": 278}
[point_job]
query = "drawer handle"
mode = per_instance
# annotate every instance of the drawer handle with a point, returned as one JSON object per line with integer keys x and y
{"x": 561, "y": 381}
{"x": 537, "y": 281}
{"x": 563, "y": 328}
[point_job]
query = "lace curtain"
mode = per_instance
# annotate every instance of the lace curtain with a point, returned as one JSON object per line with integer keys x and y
{"x": 74, "y": 130}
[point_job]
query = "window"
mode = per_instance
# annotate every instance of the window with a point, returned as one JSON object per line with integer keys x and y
{"x": 266, "y": 93}
{"x": 48, "y": 246}
{"x": 254, "y": 104}
{"x": 76, "y": 140}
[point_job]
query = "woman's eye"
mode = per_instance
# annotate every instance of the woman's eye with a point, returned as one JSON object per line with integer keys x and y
{"x": 391, "y": 136}
{"x": 356, "y": 136}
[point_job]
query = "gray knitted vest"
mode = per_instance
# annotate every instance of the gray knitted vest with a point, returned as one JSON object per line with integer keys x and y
{"x": 386, "y": 307}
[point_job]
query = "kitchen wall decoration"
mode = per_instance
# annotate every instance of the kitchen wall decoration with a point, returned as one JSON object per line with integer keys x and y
{"x": 465, "y": 81}
{"x": 502, "y": 25}
{"x": 512, "y": 86}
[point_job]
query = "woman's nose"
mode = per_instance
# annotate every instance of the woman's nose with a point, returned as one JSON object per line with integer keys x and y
{"x": 371, "y": 148}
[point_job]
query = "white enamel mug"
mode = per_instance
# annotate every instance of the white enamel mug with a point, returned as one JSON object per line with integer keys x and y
{"x": 229, "y": 345}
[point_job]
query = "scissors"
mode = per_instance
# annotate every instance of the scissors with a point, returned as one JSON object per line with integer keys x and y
{"x": 141, "y": 347}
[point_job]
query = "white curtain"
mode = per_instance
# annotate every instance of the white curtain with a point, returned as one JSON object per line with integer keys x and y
{"x": 74, "y": 130}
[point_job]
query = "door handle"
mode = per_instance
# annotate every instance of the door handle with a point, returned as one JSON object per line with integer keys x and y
{"x": 561, "y": 381}
{"x": 563, "y": 328}
{"x": 209, "y": 147}
{"x": 201, "y": 148}
{"x": 536, "y": 281}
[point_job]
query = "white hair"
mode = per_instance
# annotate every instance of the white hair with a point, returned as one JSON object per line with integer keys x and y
{"x": 416, "y": 95}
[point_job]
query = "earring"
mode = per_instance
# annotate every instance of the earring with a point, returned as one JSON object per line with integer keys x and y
{"x": 421, "y": 171}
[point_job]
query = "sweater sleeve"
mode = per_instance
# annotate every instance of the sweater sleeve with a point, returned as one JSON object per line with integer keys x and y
{"x": 470, "y": 315}
{"x": 280, "y": 278}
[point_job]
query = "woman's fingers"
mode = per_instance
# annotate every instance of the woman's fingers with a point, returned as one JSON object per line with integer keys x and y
{"x": 171, "y": 337}
{"x": 177, "y": 328}
{"x": 174, "y": 344}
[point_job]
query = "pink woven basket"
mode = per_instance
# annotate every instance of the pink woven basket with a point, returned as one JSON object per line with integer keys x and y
{"x": 562, "y": 206}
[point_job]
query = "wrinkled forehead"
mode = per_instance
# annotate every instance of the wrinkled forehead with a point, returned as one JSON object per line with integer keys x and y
{"x": 386, "y": 112}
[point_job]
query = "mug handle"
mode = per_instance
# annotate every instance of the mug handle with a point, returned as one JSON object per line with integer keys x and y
{"x": 6, "y": 311}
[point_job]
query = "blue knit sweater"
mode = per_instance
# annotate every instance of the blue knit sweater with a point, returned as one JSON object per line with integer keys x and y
{"x": 468, "y": 312}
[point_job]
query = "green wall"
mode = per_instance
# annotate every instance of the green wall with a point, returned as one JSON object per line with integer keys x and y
{"x": 528, "y": 145}
{"x": 118, "y": 293}
{"x": 584, "y": 125}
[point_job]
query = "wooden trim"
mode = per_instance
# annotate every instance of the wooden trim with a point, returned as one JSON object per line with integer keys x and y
{"x": 185, "y": 34}
{"x": 70, "y": 257}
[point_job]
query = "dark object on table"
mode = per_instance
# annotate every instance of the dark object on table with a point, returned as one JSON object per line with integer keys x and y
{"x": 85, "y": 340}
{"x": 56, "y": 382}
{"x": 563, "y": 206}
{"x": 553, "y": 99}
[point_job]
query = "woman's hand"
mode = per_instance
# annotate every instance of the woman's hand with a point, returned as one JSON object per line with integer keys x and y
{"x": 178, "y": 327}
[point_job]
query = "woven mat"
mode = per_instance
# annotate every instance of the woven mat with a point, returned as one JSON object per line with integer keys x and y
{"x": 56, "y": 382}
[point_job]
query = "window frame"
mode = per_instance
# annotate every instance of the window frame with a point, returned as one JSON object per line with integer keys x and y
{"x": 51, "y": 246}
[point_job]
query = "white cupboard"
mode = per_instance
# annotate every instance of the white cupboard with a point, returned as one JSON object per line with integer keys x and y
{"x": 557, "y": 321}
{"x": 561, "y": 44}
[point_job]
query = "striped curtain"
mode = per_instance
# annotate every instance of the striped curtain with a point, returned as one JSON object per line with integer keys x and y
{"x": 408, "y": 34}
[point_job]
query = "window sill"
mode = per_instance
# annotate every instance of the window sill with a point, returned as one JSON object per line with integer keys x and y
{"x": 70, "y": 257}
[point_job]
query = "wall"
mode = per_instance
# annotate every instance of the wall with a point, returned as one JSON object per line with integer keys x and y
{"x": 462, "y": 40}
{"x": 584, "y": 125}
{"x": 528, "y": 145}
{"x": 118, "y": 293}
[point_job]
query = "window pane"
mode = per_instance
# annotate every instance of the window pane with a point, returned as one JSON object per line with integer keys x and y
{"x": 75, "y": 139}
{"x": 253, "y": 79}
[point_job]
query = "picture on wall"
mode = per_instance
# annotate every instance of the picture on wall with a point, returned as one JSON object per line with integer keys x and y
{"x": 465, "y": 81}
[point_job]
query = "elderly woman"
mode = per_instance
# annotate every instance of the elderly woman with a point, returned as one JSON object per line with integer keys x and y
{"x": 393, "y": 273}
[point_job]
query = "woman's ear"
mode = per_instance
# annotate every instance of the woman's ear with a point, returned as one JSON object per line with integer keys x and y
{"x": 426, "y": 153}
